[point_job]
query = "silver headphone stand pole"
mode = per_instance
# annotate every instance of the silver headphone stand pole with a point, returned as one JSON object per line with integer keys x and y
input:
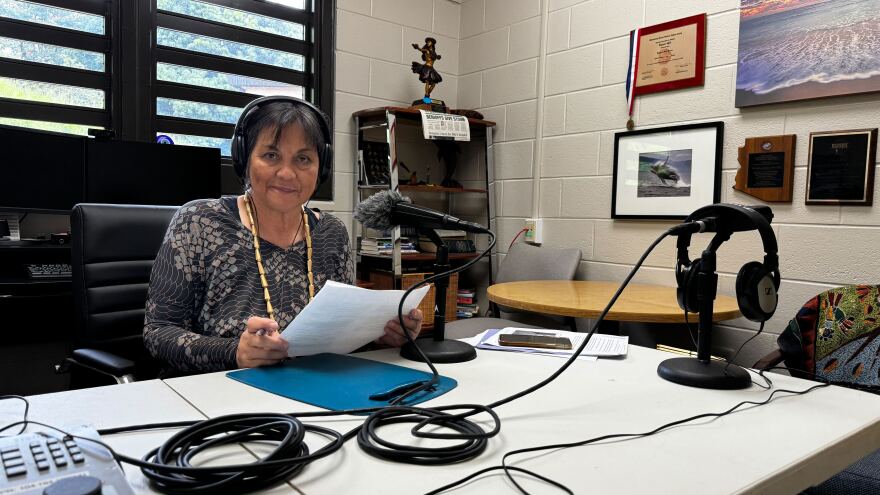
{"x": 701, "y": 371}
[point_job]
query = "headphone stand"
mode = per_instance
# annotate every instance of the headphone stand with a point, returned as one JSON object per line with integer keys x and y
{"x": 437, "y": 348}
{"x": 701, "y": 371}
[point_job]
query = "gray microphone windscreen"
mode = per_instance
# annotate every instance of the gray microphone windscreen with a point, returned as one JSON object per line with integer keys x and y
{"x": 375, "y": 211}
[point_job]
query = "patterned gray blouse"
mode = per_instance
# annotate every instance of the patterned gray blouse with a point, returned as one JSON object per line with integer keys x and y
{"x": 205, "y": 284}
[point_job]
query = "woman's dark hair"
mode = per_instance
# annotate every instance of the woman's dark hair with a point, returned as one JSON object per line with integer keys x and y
{"x": 278, "y": 115}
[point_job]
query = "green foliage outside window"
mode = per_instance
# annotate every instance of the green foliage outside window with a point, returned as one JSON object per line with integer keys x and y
{"x": 233, "y": 17}
{"x": 52, "y": 16}
{"x": 20, "y": 89}
{"x": 43, "y": 53}
{"x": 231, "y": 49}
{"x": 221, "y": 80}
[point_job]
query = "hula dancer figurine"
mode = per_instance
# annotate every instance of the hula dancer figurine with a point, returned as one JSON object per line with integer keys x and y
{"x": 426, "y": 71}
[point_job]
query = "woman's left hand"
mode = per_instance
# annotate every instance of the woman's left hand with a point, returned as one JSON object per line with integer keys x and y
{"x": 394, "y": 336}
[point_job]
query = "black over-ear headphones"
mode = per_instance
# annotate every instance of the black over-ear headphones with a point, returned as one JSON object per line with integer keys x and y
{"x": 756, "y": 283}
{"x": 241, "y": 153}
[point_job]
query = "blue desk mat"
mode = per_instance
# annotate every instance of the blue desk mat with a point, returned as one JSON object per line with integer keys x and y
{"x": 337, "y": 382}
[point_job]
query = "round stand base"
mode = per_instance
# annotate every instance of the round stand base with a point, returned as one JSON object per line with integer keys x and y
{"x": 695, "y": 373}
{"x": 443, "y": 351}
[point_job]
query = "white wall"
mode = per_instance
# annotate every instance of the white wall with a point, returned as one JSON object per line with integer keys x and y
{"x": 373, "y": 69}
{"x": 583, "y": 106}
{"x": 492, "y": 58}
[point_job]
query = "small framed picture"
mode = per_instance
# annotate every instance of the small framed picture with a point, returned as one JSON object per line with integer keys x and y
{"x": 668, "y": 172}
{"x": 841, "y": 167}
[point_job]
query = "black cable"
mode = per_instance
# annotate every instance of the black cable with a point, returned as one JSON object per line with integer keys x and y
{"x": 768, "y": 383}
{"x": 168, "y": 466}
{"x": 602, "y": 438}
{"x": 736, "y": 354}
{"x": 473, "y": 440}
{"x": 27, "y": 406}
{"x": 496, "y": 468}
{"x": 468, "y": 432}
{"x": 368, "y": 438}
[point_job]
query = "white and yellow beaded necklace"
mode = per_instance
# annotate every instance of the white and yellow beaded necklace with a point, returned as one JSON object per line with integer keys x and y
{"x": 259, "y": 258}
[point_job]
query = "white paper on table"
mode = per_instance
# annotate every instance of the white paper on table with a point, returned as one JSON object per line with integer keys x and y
{"x": 600, "y": 345}
{"x": 342, "y": 318}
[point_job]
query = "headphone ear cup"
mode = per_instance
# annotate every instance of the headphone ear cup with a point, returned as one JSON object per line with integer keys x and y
{"x": 326, "y": 162}
{"x": 238, "y": 161}
{"x": 687, "y": 288}
{"x": 756, "y": 292}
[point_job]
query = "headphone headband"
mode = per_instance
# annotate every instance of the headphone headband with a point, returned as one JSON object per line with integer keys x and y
{"x": 240, "y": 153}
{"x": 740, "y": 218}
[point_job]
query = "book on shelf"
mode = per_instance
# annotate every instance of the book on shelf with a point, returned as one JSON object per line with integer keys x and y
{"x": 466, "y": 306}
{"x": 385, "y": 246}
{"x": 467, "y": 310}
{"x": 405, "y": 231}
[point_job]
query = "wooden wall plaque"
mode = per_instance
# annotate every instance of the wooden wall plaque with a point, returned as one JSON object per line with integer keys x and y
{"x": 766, "y": 168}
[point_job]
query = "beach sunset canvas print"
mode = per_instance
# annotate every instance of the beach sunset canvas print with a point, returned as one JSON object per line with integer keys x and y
{"x": 802, "y": 49}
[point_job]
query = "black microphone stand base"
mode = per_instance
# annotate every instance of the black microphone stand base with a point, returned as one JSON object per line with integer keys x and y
{"x": 695, "y": 373}
{"x": 442, "y": 351}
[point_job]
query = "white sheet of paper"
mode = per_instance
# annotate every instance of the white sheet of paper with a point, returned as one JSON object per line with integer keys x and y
{"x": 343, "y": 318}
{"x": 600, "y": 344}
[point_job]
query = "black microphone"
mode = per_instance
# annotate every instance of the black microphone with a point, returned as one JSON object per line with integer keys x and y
{"x": 386, "y": 209}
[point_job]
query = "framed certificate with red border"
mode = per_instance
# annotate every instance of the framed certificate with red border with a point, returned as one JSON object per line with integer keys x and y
{"x": 671, "y": 55}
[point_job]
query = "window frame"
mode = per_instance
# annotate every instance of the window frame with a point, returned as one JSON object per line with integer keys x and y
{"x": 317, "y": 79}
{"x": 57, "y": 74}
{"x": 131, "y": 52}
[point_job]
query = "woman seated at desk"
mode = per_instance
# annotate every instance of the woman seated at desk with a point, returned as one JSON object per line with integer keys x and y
{"x": 232, "y": 272}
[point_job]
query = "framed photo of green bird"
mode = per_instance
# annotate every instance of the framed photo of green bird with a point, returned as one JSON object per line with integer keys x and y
{"x": 667, "y": 172}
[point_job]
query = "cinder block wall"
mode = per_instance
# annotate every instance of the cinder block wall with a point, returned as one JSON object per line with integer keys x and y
{"x": 583, "y": 106}
{"x": 373, "y": 68}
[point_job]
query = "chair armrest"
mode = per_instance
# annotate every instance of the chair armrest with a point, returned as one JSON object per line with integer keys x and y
{"x": 104, "y": 362}
{"x": 769, "y": 361}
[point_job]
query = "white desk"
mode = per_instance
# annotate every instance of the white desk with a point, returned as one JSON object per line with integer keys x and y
{"x": 782, "y": 447}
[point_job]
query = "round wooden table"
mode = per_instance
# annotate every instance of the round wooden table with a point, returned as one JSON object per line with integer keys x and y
{"x": 587, "y": 299}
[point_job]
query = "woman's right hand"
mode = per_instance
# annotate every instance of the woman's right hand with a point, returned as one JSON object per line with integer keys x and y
{"x": 260, "y": 344}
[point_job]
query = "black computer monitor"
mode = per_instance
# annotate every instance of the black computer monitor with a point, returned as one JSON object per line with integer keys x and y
{"x": 129, "y": 172}
{"x": 40, "y": 170}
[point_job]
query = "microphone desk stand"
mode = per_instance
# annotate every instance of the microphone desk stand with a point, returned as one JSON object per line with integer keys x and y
{"x": 436, "y": 347}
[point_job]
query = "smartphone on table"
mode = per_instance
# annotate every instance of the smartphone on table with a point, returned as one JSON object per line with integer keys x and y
{"x": 525, "y": 338}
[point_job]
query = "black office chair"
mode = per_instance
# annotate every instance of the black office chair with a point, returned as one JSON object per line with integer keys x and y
{"x": 112, "y": 252}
